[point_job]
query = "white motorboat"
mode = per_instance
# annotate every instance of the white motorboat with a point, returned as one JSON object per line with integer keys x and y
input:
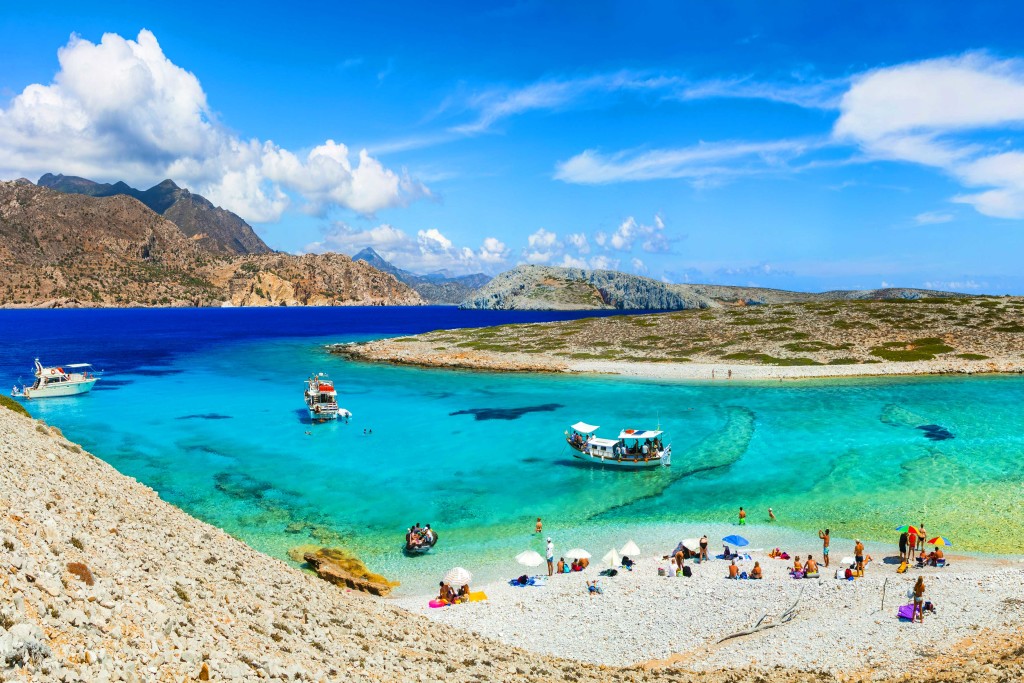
{"x": 633, "y": 449}
{"x": 59, "y": 380}
{"x": 322, "y": 399}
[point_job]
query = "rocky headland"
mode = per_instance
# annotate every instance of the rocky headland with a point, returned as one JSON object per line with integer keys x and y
{"x": 531, "y": 287}
{"x": 927, "y": 335}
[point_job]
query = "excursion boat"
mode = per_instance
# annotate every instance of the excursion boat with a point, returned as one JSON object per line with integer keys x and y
{"x": 633, "y": 449}
{"x": 59, "y": 380}
{"x": 322, "y": 399}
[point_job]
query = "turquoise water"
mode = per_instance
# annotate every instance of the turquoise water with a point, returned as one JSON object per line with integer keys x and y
{"x": 221, "y": 431}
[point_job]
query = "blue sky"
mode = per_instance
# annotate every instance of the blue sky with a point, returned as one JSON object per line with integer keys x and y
{"x": 793, "y": 145}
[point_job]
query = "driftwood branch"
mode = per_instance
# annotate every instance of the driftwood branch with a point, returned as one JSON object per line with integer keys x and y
{"x": 762, "y": 625}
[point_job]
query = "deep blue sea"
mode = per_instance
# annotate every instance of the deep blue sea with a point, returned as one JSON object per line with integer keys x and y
{"x": 205, "y": 406}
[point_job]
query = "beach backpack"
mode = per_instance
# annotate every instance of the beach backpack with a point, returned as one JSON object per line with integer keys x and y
{"x": 687, "y": 572}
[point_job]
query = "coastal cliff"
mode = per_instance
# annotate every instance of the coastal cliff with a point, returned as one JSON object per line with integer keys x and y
{"x": 549, "y": 288}
{"x": 74, "y": 250}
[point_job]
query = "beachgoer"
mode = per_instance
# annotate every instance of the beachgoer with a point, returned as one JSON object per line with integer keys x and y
{"x": 755, "y": 573}
{"x": 593, "y": 587}
{"x": 551, "y": 557}
{"x": 734, "y": 571}
{"x": 444, "y": 592}
{"x": 912, "y": 541}
{"x": 712, "y": 373}
{"x": 743, "y": 516}
{"x": 584, "y": 563}
{"x": 730, "y": 373}
{"x": 825, "y": 540}
{"x": 921, "y": 536}
{"x": 464, "y": 593}
{"x": 922, "y": 559}
{"x": 935, "y": 556}
{"x": 904, "y": 538}
{"x": 918, "y": 599}
{"x": 771, "y": 515}
{"x": 627, "y": 563}
{"x": 566, "y": 567}
{"x": 537, "y": 529}
{"x": 811, "y": 567}
{"x": 679, "y": 558}
{"x": 703, "y": 548}
{"x": 561, "y": 565}
{"x": 797, "y": 568}
{"x": 858, "y": 554}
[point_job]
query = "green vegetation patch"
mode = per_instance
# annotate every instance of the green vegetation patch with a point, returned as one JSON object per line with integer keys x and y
{"x": 972, "y": 356}
{"x": 919, "y": 349}
{"x": 1011, "y": 327}
{"x": 765, "y": 359}
{"x": 11, "y": 404}
{"x": 854, "y": 324}
{"x": 812, "y": 346}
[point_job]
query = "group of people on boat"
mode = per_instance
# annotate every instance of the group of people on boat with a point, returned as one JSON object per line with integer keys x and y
{"x": 648, "y": 447}
{"x": 418, "y": 537}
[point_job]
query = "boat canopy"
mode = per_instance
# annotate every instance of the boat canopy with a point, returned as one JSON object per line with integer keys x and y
{"x": 604, "y": 443}
{"x": 78, "y": 365}
{"x": 639, "y": 433}
{"x": 584, "y": 428}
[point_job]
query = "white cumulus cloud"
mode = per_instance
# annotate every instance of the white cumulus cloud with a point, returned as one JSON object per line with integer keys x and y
{"x": 121, "y": 110}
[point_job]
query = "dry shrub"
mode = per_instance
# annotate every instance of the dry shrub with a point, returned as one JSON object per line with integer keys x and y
{"x": 81, "y": 572}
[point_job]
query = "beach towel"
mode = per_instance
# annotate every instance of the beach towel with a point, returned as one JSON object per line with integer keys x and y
{"x": 906, "y": 612}
{"x": 478, "y": 596}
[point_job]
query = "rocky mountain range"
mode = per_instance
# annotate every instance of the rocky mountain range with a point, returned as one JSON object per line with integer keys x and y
{"x": 59, "y": 249}
{"x": 549, "y": 288}
{"x": 435, "y": 288}
{"x": 217, "y": 230}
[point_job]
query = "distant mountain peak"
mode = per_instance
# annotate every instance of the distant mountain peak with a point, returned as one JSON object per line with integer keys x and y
{"x": 438, "y": 288}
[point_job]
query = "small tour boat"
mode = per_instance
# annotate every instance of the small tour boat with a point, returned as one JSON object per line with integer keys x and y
{"x": 633, "y": 449}
{"x": 60, "y": 380}
{"x": 322, "y": 399}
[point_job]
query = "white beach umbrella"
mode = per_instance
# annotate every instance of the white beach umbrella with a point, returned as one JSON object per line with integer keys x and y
{"x": 630, "y": 548}
{"x": 577, "y": 553}
{"x": 847, "y": 560}
{"x": 529, "y": 558}
{"x": 612, "y": 558}
{"x": 457, "y": 577}
{"x": 692, "y": 544}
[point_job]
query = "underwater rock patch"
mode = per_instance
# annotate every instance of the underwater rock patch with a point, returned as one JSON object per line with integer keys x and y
{"x": 507, "y": 413}
{"x": 204, "y": 416}
{"x": 936, "y": 432}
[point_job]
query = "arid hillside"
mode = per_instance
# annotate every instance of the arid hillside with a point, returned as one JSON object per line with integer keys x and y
{"x": 61, "y": 249}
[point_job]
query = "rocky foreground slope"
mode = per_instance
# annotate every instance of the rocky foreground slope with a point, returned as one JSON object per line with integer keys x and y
{"x": 100, "y": 580}
{"x": 59, "y": 249}
{"x": 551, "y": 288}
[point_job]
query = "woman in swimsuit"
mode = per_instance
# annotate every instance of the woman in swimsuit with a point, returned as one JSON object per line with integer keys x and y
{"x": 918, "y": 599}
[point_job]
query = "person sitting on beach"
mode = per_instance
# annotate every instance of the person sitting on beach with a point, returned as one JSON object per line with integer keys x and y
{"x": 560, "y": 569}
{"x": 797, "y": 568}
{"x": 734, "y": 571}
{"x": 463, "y": 594}
{"x": 935, "y": 556}
{"x": 627, "y": 563}
{"x": 584, "y": 563}
{"x": 445, "y": 593}
{"x": 811, "y": 567}
{"x": 575, "y": 567}
{"x": 922, "y": 559}
{"x": 755, "y": 573}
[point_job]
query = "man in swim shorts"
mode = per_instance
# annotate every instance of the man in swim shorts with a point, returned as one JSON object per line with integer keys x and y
{"x": 825, "y": 540}
{"x": 858, "y": 555}
{"x": 743, "y": 517}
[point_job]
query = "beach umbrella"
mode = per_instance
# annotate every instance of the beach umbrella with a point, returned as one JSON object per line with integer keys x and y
{"x": 908, "y": 529}
{"x": 847, "y": 560}
{"x": 612, "y": 558}
{"x": 736, "y": 540}
{"x": 577, "y": 554}
{"x": 940, "y": 540}
{"x": 691, "y": 544}
{"x": 529, "y": 558}
{"x": 630, "y": 549}
{"x": 457, "y": 577}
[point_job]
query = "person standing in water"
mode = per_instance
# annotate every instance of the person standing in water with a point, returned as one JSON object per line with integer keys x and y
{"x": 537, "y": 529}
{"x": 825, "y": 540}
{"x": 771, "y": 515}
{"x": 743, "y": 516}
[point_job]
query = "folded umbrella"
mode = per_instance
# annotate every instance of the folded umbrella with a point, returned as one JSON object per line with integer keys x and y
{"x": 612, "y": 558}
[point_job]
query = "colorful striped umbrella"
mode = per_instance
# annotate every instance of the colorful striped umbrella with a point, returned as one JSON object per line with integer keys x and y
{"x": 908, "y": 528}
{"x": 940, "y": 540}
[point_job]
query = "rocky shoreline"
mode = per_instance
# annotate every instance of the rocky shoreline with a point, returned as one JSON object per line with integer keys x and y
{"x": 101, "y": 580}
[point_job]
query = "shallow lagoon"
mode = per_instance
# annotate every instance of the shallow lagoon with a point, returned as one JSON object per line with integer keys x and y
{"x": 205, "y": 407}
